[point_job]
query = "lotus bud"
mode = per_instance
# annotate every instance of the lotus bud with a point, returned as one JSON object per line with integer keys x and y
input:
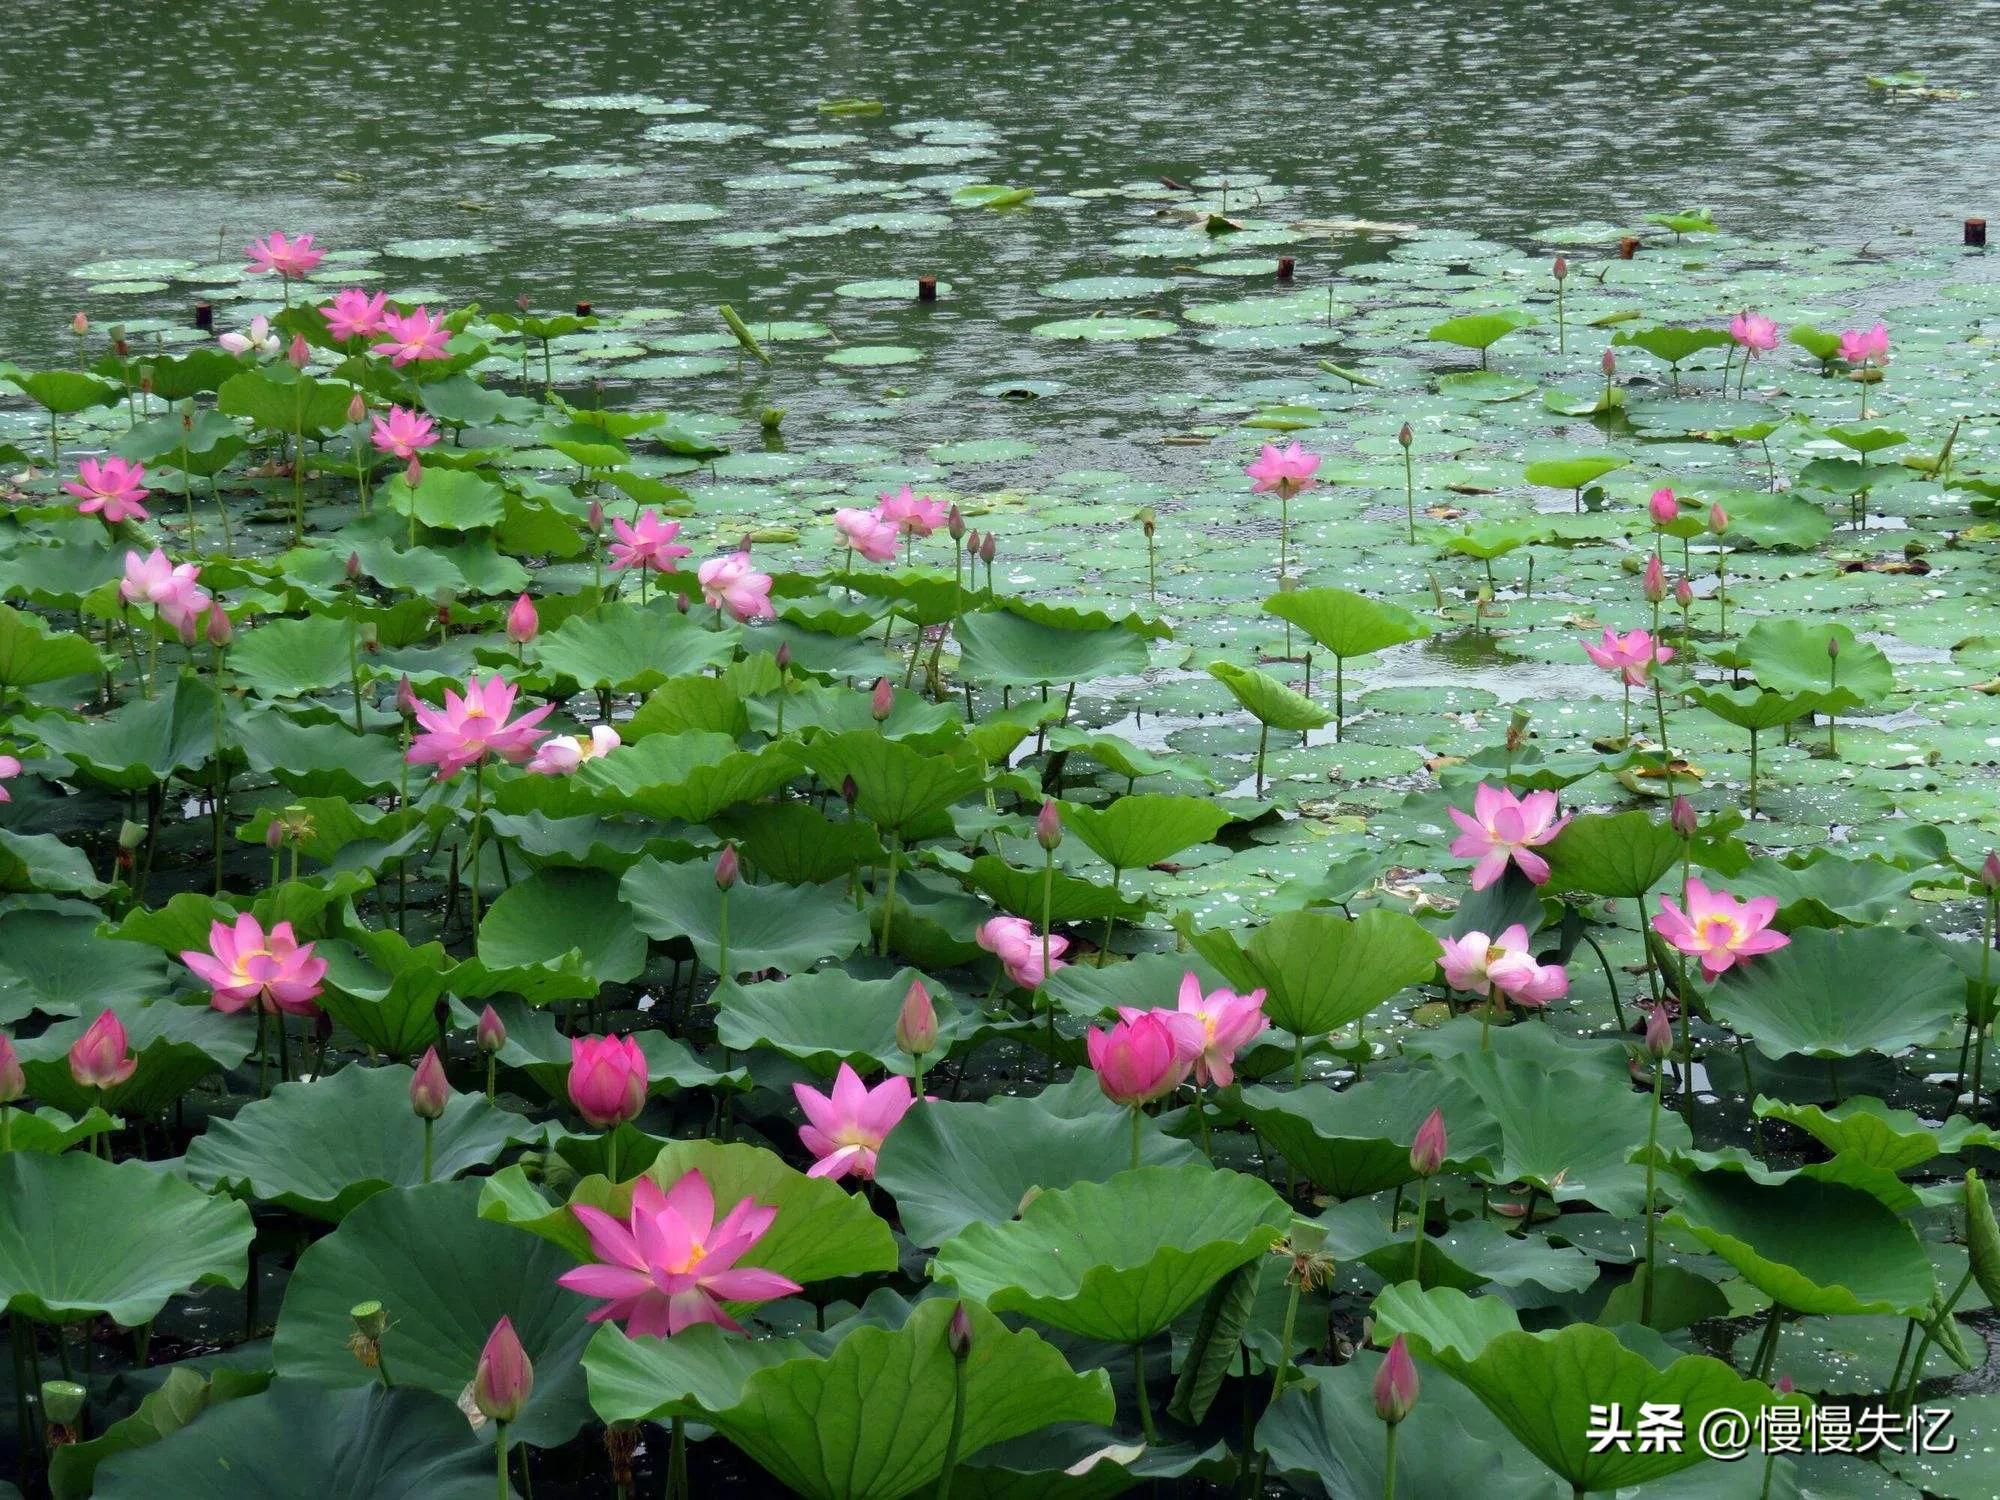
{"x": 1989, "y": 872}
{"x": 597, "y": 515}
{"x": 1718, "y": 519}
{"x": 13, "y": 1082}
{"x": 727, "y": 868}
{"x": 357, "y": 408}
{"x": 413, "y": 472}
{"x": 917, "y": 1022}
{"x": 504, "y": 1376}
{"x": 1561, "y": 268}
{"x": 491, "y": 1033}
{"x": 1832, "y": 647}
{"x": 1683, "y": 592}
{"x": 1682, "y": 817}
{"x": 429, "y": 1090}
{"x": 849, "y": 791}
{"x": 1396, "y": 1383}
{"x": 1610, "y": 364}
{"x": 1428, "y": 1150}
{"x": 1656, "y": 579}
{"x": 1664, "y": 508}
{"x": 958, "y": 1334}
{"x": 522, "y": 302}
{"x": 954, "y": 524}
{"x": 971, "y": 542}
{"x": 406, "y": 697}
{"x": 118, "y": 345}
{"x": 299, "y": 352}
{"x": 79, "y": 325}
{"x": 681, "y": 603}
{"x": 62, "y": 1403}
{"x": 607, "y": 1079}
{"x": 221, "y": 629}
{"x": 1048, "y": 825}
{"x": 274, "y": 834}
{"x": 1784, "y": 1386}
{"x": 988, "y": 548}
{"x": 353, "y": 566}
{"x": 522, "y": 621}
{"x": 1406, "y": 437}
{"x": 1148, "y": 521}
{"x": 743, "y": 546}
{"x": 1659, "y": 1033}
{"x": 784, "y": 656}
{"x": 883, "y": 701}
{"x": 97, "y": 1059}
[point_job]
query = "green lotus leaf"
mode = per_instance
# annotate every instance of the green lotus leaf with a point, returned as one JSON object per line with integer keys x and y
{"x": 536, "y": 1047}
{"x": 1126, "y": 759}
{"x": 81, "y": 1237}
{"x": 1469, "y": 1254}
{"x": 1356, "y": 1141}
{"x": 1801, "y": 997}
{"x": 1347, "y": 624}
{"x": 31, "y": 653}
{"x": 59, "y": 965}
{"x": 1825, "y": 890}
{"x": 1071, "y": 898}
{"x": 556, "y": 912}
{"x": 1493, "y": 539}
{"x": 43, "y": 862}
{"x": 690, "y": 777}
{"x": 1670, "y": 344}
{"x": 62, "y": 391}
{"x": 1479, "y": 330}
{"x": 294, "y": 658}
{"x": 789, "y": 927}
{"x": 280, "y": 399}
{"x": 630, "y": 649}
{"x": 1269, "y": 700}
{"x": 1136, "y": 832}
{"x": 383, "y": 989}
{"x": 1790, "y": 656}
{"x": 708, "y": 705}
{"x": 1320, "y": 970}
{"x": 1754, "y": 708}
{"x": 184, "y": 1395}
{"x": 830, "y": 1017}
{"x": 1000, "y": 648}
{"x": 794, "y": 843}
{"x": 1617, "y": 854}
{"x": 321, "y": 1148}
{"x": 317, "y": 761}
{"x": 1867, "y": 1130}
{"x": 1117, "y": 1260}
{"x": 868, "y": 1421}
{"x": 142, "y": 743}
{"x": 50, "y": 1130}
{"x": 897, "y": 785}
{"x": 1575, "y": 472}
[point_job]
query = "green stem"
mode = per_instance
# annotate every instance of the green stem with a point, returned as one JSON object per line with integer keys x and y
{"x": 889, "y": 902}
{"x": 1652, "y": 1140}
{"x": 500, "y": 1458}
{"x": 1139, "y": 1385}
{"x": 1417, "y": 1243}
{"x": 429, "y": 1127}
{"x": 478, "y": 828}
{"x": 722, "y": 939}
{"x": 958, "y": 1392}
{"x": 1109, "y": 917}
{"x": 1389, "y": 1464}
{"x": 611, "y": 1155}
{"x": 1138, "y": 1125}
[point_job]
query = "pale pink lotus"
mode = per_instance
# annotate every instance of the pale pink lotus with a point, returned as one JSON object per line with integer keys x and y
{"x": 730, "y": 583}
{"x": 259, "y": 340}
{"x": 110, "y": 489}
{"x": 1287, "y": 471}
{"x": 172, "y": 589}
{"x": 1631, "y": 655}
{"x": 1865, "y": 346}
{"x": 646, "y": 543}
{"x": 1227, "y": 1024}
{"x": 288, "y": 257}
{"x": 1014, "y": 941}
{"x": 99, "y": 1059}
{"x": 560, "y": 754}
{"x": 1718, "y": 928}
{"x": 353, "y": 314}
{"x": 846, "y": 1127}
{"x": 867, "y": 533}
{"x": 671, "y": 1266}
{"x": 1138, "y": 1060}
{"x": 1505, "y": 827}
{"x": 607, "y": 1079}
{"x": 1475, "y": 964}
{"x": 402, "y": 433}
{"x": 245, "y": 966}
{"x": 411, "y": 336}
{"x": 1754, "y": 333}
{"x": 469, "y": 728}
{"x": 10, "y": 767}
{"x": 919, "y": 515}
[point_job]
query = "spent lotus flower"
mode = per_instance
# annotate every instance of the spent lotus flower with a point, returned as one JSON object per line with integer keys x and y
{"x": 1503, "y": 827}
{"x": 867, "y": 533}
{"x": 10, "y": 767}
{"x": 919, "y": 515}
{"x": 1719, "y": 929}
{"x": 474, "y": 725}
{"x": 99, "y": 1059}
{"x": 731, "y": 584}
{"x": 283, "y": 255}
{"x": 1865, "y": 346}
{"x": 354, "y": 314}
{"x": 1754, "y": 333}
{"x": 1631, "y": 655}
{"x": 1227, "y": 1023}
{"x": 670, "y": 1265}
{"x": 110, "y": 489}
{"x": 1501, "y": 967}
{"x": 1141, "y": 1058}
{"x": 257, "y": 340}
{"x": 645, "y": 543}
{"x": 245, "y": 966}
{"x": 402, "y": 433}
{"x": 1287, "y": 471}
{"x": 411, "y": 336}
{"x": 607, "y": 1079}
{"x": 1014, "y": 941}
{"x": 846, "y": 1127}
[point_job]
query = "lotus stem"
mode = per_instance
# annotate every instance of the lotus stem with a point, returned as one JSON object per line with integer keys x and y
{"x": 429, "y": 1127}
{"x": 722, "y": 932}
{"x": 889, "y": 897}
{"x": 1110, "y": 918}
{"x": 1048, "y": 906}
{"x": 677, "y": 1461}
{"x": 1902, "y": 1357}
{"x": 1389, "y": 1463}
{"x": 1410, "y": 495}
{"x": 491, "y": 1059}
{"x": 263, "y": 1057}
{"x": 1652, "y": 1140}
{"x": 1417, "y": 1243}
{"x": 1139, "y": 1385}
{"x": 611, "y": 1155}
{"x": 1138, "y": 1126}
{"x": 1339, "y": 697}
{"x": 959, "y": 1381}
{"x": 500, "y": 1457}
{"x": 1263, "y": 738}
{"x": 1767, "y": 1346}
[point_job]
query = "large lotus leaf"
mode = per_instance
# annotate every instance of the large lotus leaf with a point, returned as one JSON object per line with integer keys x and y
{"x": 896, "y": 784}
{"x": 794, "y": 843}
{"x": 949, "y": 1164}
{"x": 630, "y": 649}
{"x": 1117, "y": 1260}
{"x": 1815, "y": 1246}
{"x": 1071, "y": 897}
{"x": 1320, "y": 970}
{"x": 1469, "y": 1254}
{"x": 869, "y": 1421}
{"x": 62, "y": 391}
{"x": 1135, "y": 832}
{"x": 43, "y": 862}
{"x": 1479, "y": 330}
{"x": 177, "y": 1046}
{"x": 59, "y": 965}
{"x": 294, "y": 658}
{"x": 830, "y": 1017}
{"x": 1776, "y": 521}
{"x": 1790, "y": 656}
{"x": 1347, "y": 624}
{"x": 80, "y": 1236}
{"x": 1124, "y": 758}
{"x": 788, "y": 927}
{"x": 317, "y": 761}
{"x": 1841, "y": 993}
{"x": 142, "y": 743}
{"x": 184, "y": 1395}
{"x": 1542, "y": 1386}
{"x": 320, "y": 1148}
{"x": 1672, "y": 344}
{"x": 1867, "y": 1130}
{"x": 30, "y": 652}
{"x": 710, "y": 705}
{"x": 1268, "y": 700}
{"x": 51, "y": 1130}
{"x": 538, "y": 1048}
{"x": 384, "y": 990}
{"x": 557, "y": 911}
{"x": 279, "y": 398}
{"x": 1000, "y": 648}
{"x": 1572, "y": 473}
{"x": 691, "y": 776}
{"x": 449, "y": 499}
{"x": 445, "y": 1277}
{"x": 362, "y": 1444}
{"x": 1356, "y": 1141}
{"x": 842, "y": 710}
{"x": 1754, "y": 708}
{"x": 1617, "y": 854}
{"x": 1970, "y": 1471}
{"x": 1826, "y": 890}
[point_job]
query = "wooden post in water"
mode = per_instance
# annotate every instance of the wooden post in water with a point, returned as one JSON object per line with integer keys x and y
{"x": 1628, "y": 247}
{"x": 927, "y": 288}
{"x": 1975, "y": 233}
{"x": 1285, "y": 268}
{"x": 204, "y": 316}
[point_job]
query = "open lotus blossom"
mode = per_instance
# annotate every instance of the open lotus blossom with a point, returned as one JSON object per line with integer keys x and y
{"x": 1501, "y": 967}
{"x": 671, "y": 1265}
{"x": 607, "y": 1079}
{"x": 287, "y": 256}
{"x": 403, "y": 433}
{"x": 1865, "y": 346}
{"x": 1631, "y": 655}
{"x": 171, "y": 588}
{"x": 1287, "y": 471}
{"x": 110, "y": 489}
{"x": 1140, "y": 1059}
{"x": 867, "y": 533}
{"x": 560, "y": 754}
{"x": 919, "y": 515}
{"x": 1014, "y": 941}
{"x": 100, "y": 1058}
{"x": 257, "y": 340}
{"x": 1719, "y": 929}
{"x": 246, "y": 966}
{"x": 846, "y": 1127}
{"x": 1755, "y": 333}
{"x": 730, "y": 583}
{"x": 645, "y": 543}
{"x": 353, "y": 314}
{"x": 1227, "y": 1023}
{"x": 473, "y": 726}
{"x": 411, "y": 336}
{"x": 1503, "y": 826}
{"x": 10, "y": 767}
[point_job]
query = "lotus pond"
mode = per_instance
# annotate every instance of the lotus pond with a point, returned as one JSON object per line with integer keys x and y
{"x": 1057, "y": 833}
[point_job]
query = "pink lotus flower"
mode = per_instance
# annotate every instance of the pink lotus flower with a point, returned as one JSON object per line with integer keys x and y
{"x": 671, "y": 1265}
{"x": 647, "y": 544}
{"x": 522, "y": 621}
{"x": 1756, "y": 333}
{"x": 1018, "y": 946}
{"x": 561, "y": 754}
{"x": 1431, "y": 1146}
{"x": 430, "y": 1090}
{"x": 411, "y": 336}
{"x": 172, "y": 590}
{"x": 287, "y": 257}
{"x": 868, "y": 534}
{"x": 1138, "y": 1060}
{"x": 1285, "y": 470}
{"x": 1664, "y": 508}
{"x": 1227, "y": 1020}
{"x": 10, "y": 767}
{"x": 1631, "y": 655}
{"x": 98, "y": 1059}
{"x": 112, "y": 490}
{"x": 1504, "y": 827}
{"x": 354, "y": 314}
{"x": 730, "y": 583}
{"x": 13, "y": 1082}
{"x": 847, "y": 1127}
{"x": 1865, "y": 346}
{"x": 259, "y": 340}
{"x": 919, "y": 515}
{"x": 402, "y": 432}
{"x": 916, "y": 1022}
{"x": 469, "y": 728}
{"x": 504, "y": 1376}
{"x": 1718, "y": 928}
{"x": 1395, "y": 1384}
{"x": 607, "y": 1079}
{"x": 1478, "y": 965}
{"x": 243, "y": 965}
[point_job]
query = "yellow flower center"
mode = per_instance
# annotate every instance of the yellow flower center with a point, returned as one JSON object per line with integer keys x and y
{"x": 1720, "y": 932}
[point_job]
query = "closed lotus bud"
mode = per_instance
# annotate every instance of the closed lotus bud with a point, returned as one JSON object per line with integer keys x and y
{"x": 406, "y": 697}
{"x": 1785, "y": 1385}
{"x": 882, "y": 701}
{"x": 13, "y": 1083}
{"x": 681, "y": 603}
{"x": 784, "y": 657}
{"x": 954, "y": 524}
{"x": 491, "y": 1034}
{"x": 413, "y": 472}
{"x": 1396, "y": 1383}
{"x": 597, "y": 515}
{"x": 1832, "y": 646}
{"x": 917, "y": 1022}
{"x": 959, "y": 1333}
{"x": 353, "y": 566}
{"x": 848, "y": 790}
{"x": 79, "y": 325}
{"x": 221, "y": 629}
{"x": 97, "y": 1059}
{"x": 1148, "y": 521}
{"x": 1664, "y": 508}
{"x": 1610, "y": 363}
{"x": 1656, "y": 579}
{"x": 357, "y": 408}
{"x": 1718, "y": 519}
{"x": 504, "y": 1376}
{"x": 522, "y": 621}
{"x": 1048, "y": 825}
{"x": 1682, "y": 817}
{"x": 1683, "y": 592}
{"x": 1659, "y": 1033}
{"x": 1427, "y": 1151}
{"x": 1561, "y": 268}
{"x": 971, "y": 542}
{"x": 274, "y": 834}
{"x": 1989, "y": 872}
{"x": 298, "y": 352}
{"x": 429, "y": 1090}
{"x": 988, "y": 548}
{"x": 727, "y": 868}
{"x": 522, "y": 302}
{"x": 1405, "y": 436}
